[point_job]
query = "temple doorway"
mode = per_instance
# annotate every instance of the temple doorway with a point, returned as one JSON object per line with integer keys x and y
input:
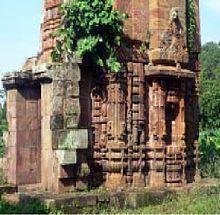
{"x": 29, "y": 135}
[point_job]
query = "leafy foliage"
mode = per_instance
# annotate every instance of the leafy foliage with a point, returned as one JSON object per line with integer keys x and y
{"x": 210, "y": 60}
{"x": 91, "y": 29}
{"x": 3, "y": 179}
{"x": 210, "y": 87}
{"x": 210, "y": 153}
{"x": 31, "y": 207}
{"x": 210, "y": 104}
{"x": 3, "y": 122}
{"x": 191, "y": 24}
{"x": 210, "y": 110}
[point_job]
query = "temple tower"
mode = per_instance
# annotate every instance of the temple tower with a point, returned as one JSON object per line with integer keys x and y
{"x": 71, "y": 127}
{"x": 51, "y": 20}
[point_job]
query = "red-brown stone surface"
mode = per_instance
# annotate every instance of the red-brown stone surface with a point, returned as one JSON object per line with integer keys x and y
{"x": 24, "y": 148}
{"x": 51, "y": 20}
{"x": 142, "y": 124}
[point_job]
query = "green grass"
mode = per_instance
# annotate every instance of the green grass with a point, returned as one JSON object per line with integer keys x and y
{"x": 200, "y": 201}
{"x": 33, "y": 207}
{"x": 2, "y": 178}
{"x": 191, "y": 204}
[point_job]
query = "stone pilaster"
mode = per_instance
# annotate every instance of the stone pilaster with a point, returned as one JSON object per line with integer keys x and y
{"x": 157, "y": 132}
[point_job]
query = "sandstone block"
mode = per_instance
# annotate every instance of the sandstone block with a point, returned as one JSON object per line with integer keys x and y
{"x": 66, "y": 156}
{"x": 57, "y": 122}
{"x": 74, "y": 139}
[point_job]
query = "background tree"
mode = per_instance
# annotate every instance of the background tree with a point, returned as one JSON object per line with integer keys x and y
{"x": 3, "y": 121}
{"x": 210, "y": 86}
{"x": 210, "y": 110}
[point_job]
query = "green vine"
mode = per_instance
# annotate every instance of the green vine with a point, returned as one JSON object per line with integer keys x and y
{"x": 191, "y": 25}
{"x": 91, "y": 29}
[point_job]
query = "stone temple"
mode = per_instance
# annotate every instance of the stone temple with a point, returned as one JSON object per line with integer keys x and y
{"x": 70, "y": 127}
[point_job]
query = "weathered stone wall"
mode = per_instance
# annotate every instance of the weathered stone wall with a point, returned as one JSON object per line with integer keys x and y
{"x": 48, "y": 133}
{"x": 137, "y": 24}
{"x": 156, "y": 132}
{"x": 67, "y": 134}
{"x": 137, "y": 128}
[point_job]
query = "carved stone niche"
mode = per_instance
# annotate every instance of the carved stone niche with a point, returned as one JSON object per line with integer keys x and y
{"x": 173, "y": 41}
{"x": 172, "y": 44}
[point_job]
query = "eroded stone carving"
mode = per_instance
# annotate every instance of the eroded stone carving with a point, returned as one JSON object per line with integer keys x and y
{"x": 173, "y": 42}
{"x": 76, "y": 125}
